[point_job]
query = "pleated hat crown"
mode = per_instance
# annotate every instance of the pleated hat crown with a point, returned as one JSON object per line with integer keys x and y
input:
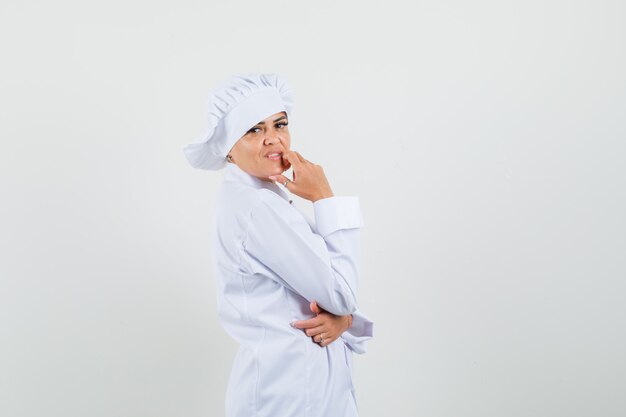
{"x": 234, "y": 106}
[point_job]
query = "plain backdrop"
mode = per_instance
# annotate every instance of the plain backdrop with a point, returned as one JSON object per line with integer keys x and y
{"x": 486, "y": 143}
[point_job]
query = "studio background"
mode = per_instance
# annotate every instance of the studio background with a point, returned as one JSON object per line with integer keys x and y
{"x": 484, "y": 139}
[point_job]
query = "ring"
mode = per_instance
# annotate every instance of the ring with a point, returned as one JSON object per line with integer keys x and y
{"x": 285, "y": 183}
{"x": 321, "y": 339}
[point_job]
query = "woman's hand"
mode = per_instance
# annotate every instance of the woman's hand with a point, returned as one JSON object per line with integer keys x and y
{"x": 326, "y": 327}
{"x": 309, "y": 180}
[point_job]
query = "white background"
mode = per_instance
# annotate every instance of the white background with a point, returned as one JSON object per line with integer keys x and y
{"x": 485, "y": 140}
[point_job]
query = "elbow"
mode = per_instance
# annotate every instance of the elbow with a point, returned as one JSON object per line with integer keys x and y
{"x": 340, "y": 291}
{"x": 343, "y": 304}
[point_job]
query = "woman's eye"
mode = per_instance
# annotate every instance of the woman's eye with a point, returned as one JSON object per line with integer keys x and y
{"x": 254, "y": 129}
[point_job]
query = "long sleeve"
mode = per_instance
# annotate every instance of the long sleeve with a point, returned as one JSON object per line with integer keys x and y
{"x": 326, "y": 216}
{"x": 320, "y": 266}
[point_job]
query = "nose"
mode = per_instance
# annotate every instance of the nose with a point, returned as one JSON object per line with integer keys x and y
{"x": 271, "y": 138}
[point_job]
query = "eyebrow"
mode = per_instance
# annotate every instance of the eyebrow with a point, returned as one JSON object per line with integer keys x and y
{"x": 280, "y": 118}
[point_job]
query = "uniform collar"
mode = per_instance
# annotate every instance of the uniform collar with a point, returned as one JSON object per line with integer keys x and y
{"x": 233, "y": 173}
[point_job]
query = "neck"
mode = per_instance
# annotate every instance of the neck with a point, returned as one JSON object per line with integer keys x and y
{"x": 261, "y": 178}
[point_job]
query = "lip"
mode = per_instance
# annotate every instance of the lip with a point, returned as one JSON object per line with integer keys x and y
{"x": 276, "y": 157}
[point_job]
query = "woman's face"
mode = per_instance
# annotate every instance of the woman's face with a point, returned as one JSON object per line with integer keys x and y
{"x": 268, "y": 137}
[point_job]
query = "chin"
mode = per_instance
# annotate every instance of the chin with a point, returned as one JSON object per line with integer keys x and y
{"x": 280, "y": 169}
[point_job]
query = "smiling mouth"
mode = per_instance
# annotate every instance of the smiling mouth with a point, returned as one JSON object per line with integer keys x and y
{"x": 274, "y": 156}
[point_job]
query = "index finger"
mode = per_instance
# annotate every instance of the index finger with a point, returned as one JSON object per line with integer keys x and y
{"x": 293, "y": 156}
{"x": 307, "y": 324}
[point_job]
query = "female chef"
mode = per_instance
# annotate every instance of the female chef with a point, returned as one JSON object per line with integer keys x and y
{"x": 287, "y": 286}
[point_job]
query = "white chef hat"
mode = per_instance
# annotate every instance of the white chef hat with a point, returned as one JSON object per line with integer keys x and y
{"x": 236, "y": 105}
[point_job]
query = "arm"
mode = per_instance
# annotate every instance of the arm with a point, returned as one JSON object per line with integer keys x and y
{"x": 321, "y": 267}
{"x": 354, "y": 329}
{"x": 361, "y": 328}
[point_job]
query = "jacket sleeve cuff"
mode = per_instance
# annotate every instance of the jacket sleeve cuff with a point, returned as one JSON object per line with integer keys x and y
{"x": 336, "y": 213}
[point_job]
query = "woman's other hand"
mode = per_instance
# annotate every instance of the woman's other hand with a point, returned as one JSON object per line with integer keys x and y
{"x": 309, "y": 180}
{"x": 326, "y": 325}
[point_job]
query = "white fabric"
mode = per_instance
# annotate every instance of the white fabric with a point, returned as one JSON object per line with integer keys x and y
{"x": 270, "y": 261}
{"x": 236, "y": 105}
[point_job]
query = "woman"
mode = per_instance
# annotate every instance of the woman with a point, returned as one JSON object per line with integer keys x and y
{"x": 287, "y": 286}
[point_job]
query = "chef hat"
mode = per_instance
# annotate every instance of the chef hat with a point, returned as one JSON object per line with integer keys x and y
{"x": 236, "y": 105}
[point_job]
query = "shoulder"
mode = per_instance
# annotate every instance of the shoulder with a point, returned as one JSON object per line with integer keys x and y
{"x": 238, "y": 202}
{"x": 235, "y": 198}
{"x": 267, "y": 203}
{"x": 272, "y": 219}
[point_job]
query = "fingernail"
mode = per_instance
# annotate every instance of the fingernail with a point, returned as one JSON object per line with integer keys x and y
{"x": 292, "y": 324}
{"x": 272, "y": 177}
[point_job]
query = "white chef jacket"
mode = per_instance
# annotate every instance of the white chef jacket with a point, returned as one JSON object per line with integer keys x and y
{"x": 270, "y": 261}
